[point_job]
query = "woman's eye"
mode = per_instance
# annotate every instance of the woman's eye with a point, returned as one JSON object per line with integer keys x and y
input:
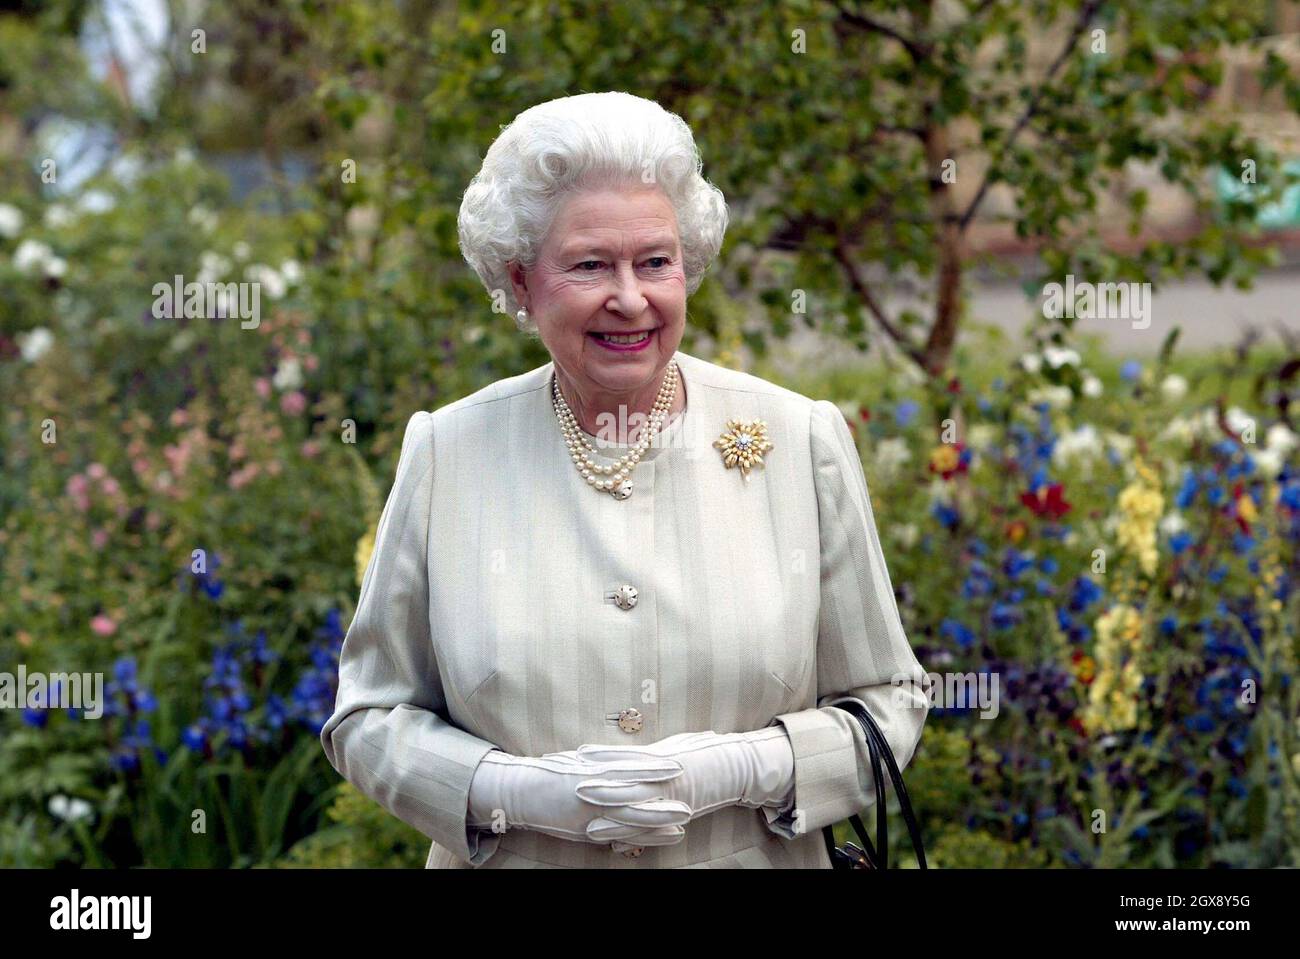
{"x": 662, "y": 261}
{"x": 585, "y": 263}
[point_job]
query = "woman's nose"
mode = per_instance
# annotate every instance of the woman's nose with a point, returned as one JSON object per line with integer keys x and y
{"x": 627, "y": 298}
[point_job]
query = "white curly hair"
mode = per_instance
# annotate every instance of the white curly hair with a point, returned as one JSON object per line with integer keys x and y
{"x": 581, "y": 142}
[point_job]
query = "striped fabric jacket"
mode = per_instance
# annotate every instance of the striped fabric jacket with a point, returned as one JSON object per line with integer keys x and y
{"x": 487, "y": 618}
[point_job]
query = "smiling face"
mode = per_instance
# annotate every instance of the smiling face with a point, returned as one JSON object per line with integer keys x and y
{"x": 610, "y": 265}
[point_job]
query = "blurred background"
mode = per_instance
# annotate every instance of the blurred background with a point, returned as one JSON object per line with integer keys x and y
{"x": 1092, "y": 511}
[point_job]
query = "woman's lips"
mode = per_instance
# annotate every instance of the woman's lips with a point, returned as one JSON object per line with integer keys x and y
{"x": 625, "y": 347}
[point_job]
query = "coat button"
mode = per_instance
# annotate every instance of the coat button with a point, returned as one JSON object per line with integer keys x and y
{"x": 629, "y": 720}
{"x": 625, "y": 597}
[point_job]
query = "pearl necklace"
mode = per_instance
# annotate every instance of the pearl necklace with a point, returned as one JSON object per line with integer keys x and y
{"x": 613, "y": 478}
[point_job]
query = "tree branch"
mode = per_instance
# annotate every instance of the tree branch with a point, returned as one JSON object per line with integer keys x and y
{"x": 864, "y": 292}
{"x": 917, "y": 50}
{"x": 1086, "y": 14}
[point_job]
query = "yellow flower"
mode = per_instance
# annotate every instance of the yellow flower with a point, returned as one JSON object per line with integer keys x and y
{"x": 1140, "y": 505}
{"x": 1113, "y": 695}
{"x": 944, "y": 458}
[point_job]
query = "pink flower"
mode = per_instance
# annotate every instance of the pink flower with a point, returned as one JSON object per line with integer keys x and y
{"x": 311, "y": 361}
{"x": 99, "y": 538}
{"x": 103, "y": 625}
{"x": 262, "y": 385}
{"x": 310, "y": 449}
{"x": 110, "y": 487}
{"x": 293, "y": 403}
{"x": 179, "y": 417}
{"x": 96, "y": 471}
{"x": 77, "y": 486}
{"x": 242, "y": 477}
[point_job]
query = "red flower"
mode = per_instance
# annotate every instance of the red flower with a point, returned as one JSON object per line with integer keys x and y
{"x": 1046, "y": 503}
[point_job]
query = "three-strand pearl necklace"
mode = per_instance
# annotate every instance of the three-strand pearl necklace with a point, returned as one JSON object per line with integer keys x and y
{"x": 613, "y": 478}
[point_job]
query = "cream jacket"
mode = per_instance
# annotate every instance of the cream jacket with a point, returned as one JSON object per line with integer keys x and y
{"x": 487, "y": 618}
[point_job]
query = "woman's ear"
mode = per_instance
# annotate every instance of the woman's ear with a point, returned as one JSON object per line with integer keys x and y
{"x": 519, "y": 281}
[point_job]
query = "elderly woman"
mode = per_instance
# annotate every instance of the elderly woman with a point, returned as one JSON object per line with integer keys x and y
{"x": 612, "y": 599}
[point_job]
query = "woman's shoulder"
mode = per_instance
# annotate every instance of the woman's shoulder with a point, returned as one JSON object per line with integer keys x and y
{"x": 712, "y": 375}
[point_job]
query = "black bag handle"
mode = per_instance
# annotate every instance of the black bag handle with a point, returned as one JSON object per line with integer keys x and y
{"x": 851, "y": 856}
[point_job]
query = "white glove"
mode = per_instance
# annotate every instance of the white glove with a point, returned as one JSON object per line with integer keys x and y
{"x": 751, "y": 769}
{"x": 539, "y": 793}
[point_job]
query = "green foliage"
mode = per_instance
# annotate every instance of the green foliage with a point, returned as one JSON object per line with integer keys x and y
{"x": 361, "y": 836}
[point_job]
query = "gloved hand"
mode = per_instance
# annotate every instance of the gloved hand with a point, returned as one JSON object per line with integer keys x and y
{"x": 539, "y": 793}
{"x": 752, "y": 769}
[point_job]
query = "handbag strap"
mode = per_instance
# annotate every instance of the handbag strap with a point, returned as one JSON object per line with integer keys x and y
{"x": 878, "y": 748}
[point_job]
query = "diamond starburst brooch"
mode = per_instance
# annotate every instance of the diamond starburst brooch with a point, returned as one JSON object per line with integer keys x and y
{"x": 743, "y": 444}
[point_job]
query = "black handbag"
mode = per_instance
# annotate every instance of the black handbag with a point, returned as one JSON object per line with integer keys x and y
{"x": 866, "y": 856}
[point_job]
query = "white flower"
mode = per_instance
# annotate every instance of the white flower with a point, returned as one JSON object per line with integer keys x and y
{"x": 184, "y": 156}
{"x": 291, "y": 271}
{"x": 1057, "y": 397}
{"x": 1173, "y": 387}
{"x": 126, "y": 168}
{"x": 31, "y": 254}
{"x": 1083, "y": 444}
{"x": 1092, "y": 387}
{"x": 203, "y": 218}
{"x": 11, "y": 220}
{"x": 273, "y": 284}
{"x": 56, "y": 266}
{"x": 1268, "y": 462}
{"x": 57, "y": 216}
{"x": 96, "y": 201}
{"x": 1173, "y": 523}
{"x": 1031, "y": 362}
{"x": 891, "y": 454}
{"x": 941, "y": 492}
{"x": 982, "y": 435}
{"x": 69, "y": 809}
{"x": 904, "y": 534}
{"x": 1238, "y": 420}
{"x": 1180, "y": 430}
{"x": 288, "y": 375}
{"x": 1057, "y": 357}
{"x": 212, "y": 267}
{"x": 240, "y": 250}
{"x": 1281, "y": 439}
{"x": 35, "y": 344}
{"x": 1121, "y": 444}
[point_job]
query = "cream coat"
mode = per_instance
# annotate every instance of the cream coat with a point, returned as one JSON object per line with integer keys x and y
{"x": 485, "y": 618}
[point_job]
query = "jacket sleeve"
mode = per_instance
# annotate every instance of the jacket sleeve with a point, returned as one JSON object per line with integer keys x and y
{"x": 862, "y": 651}
{"x": 390, "y": 734}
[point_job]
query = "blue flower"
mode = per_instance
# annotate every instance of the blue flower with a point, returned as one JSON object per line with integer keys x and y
{"x": 1187, "y": 492}
{"x": 946, "y": 515}
{"x": 1131, "y": 370}
{"x": 905, "y": 412}
{"x": 957, "y": 632}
